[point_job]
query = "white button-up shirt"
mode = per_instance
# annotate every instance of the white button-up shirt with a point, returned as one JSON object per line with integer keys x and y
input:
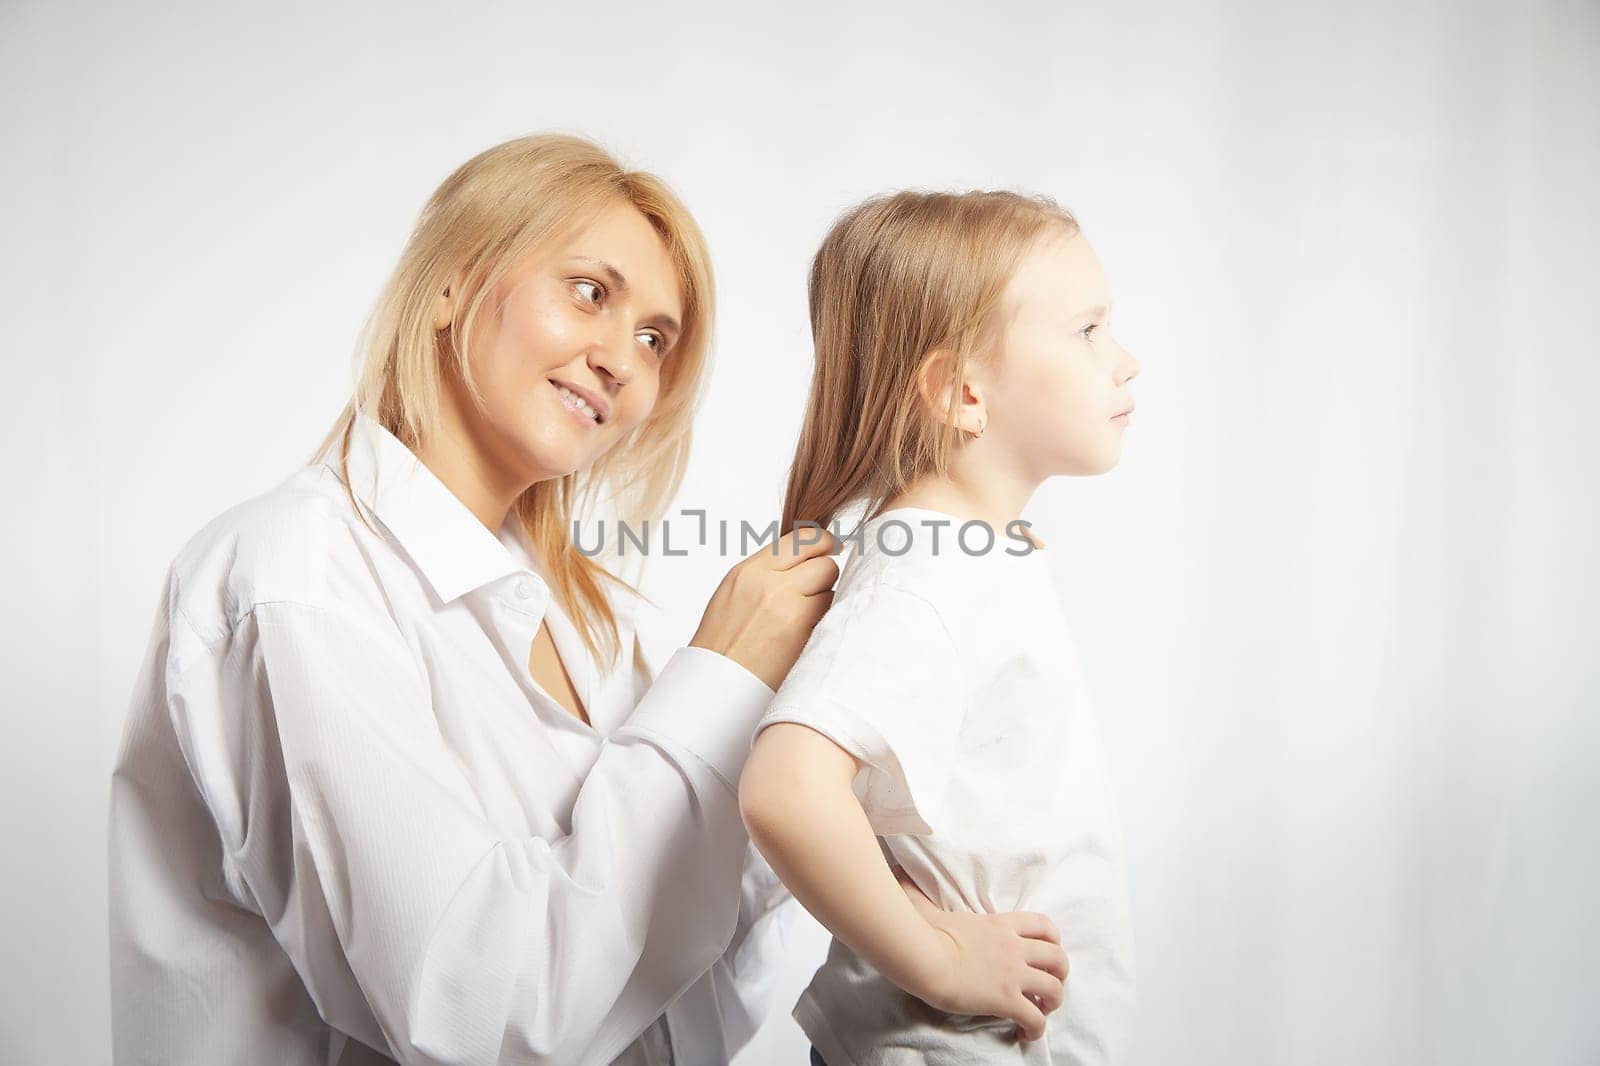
{"x": 347, "y": 826}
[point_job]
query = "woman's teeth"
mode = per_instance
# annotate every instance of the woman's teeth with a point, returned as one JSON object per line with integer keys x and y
{"x": 577, "y": 403}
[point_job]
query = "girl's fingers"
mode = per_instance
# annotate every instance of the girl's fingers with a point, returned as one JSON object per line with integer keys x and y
{"x": 1044, "y": 989}
{"x": 1037, "y": 926}
{"x": 1029, "y": 1019}
{"x": 1043, "y": 955}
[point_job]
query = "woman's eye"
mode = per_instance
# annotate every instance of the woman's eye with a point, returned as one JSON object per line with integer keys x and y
{"x": 583, "y": 288}
{"x": 657, "y": 343}
{"x": 1088, "y": 331}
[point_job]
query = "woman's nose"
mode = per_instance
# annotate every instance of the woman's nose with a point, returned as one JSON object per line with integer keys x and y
{"x": 614, "y": 357}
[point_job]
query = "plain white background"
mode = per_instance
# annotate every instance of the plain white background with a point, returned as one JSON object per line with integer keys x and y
{"x": 1337, "y": 604}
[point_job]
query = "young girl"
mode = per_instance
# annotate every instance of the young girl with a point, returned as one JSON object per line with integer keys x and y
{"x": 962, "y": 357}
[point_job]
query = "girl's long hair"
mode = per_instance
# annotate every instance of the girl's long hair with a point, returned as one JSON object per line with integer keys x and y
{"x": 901, "y": 279}
{"x": 494, "y": 211}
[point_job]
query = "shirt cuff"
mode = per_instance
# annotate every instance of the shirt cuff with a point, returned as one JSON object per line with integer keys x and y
{"x": 708, "y": 704}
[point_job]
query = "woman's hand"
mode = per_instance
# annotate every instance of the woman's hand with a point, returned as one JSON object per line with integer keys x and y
{"x": 763, "y": 612}
{"x": 1007, "y": 965}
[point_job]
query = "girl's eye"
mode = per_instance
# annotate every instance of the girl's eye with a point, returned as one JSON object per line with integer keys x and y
{"x": 658, "y": 343}
{"x": 582, "y": 286}
{"x": 1088, "y": 331}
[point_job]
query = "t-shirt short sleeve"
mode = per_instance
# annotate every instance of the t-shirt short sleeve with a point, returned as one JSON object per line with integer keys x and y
{"x": 881, "y": 676}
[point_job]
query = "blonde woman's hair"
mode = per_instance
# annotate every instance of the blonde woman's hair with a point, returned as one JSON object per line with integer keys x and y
{"x": 493, "y": 212}
{"x": 899, "y": 280}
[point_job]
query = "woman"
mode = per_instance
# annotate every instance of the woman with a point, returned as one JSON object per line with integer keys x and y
{"x": 396, "y": 782}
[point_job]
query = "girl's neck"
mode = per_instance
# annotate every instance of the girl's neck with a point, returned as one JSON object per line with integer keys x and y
{"x": 994, "y": 502}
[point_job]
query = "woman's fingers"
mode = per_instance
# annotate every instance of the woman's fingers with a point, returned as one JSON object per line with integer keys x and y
{"x": 819, "y": 604}
{"x": 761, "y": 616}
{"x": 800, "y": 544}
{"x": 814, "y": 575}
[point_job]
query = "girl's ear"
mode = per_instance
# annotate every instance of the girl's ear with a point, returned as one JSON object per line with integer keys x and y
{"x": 936, "y": 379}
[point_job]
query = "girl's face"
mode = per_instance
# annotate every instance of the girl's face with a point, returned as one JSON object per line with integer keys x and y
{"x": 1055, "y": 397}
{"x": 572, "y": 359}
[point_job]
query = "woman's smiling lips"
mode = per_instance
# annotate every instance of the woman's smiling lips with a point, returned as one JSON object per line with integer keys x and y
{"x": 601, "y": 408}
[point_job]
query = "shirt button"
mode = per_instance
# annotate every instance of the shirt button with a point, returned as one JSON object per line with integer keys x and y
{"x": 524, "y": 589}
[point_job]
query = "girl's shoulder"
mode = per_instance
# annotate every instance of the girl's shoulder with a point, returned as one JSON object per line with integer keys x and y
{"x": 968, "y": 591}
{"x": 972, "y": 618}
{"x": 889, "y": 603}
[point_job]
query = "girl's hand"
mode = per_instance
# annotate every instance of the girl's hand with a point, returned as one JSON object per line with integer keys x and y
{"x": 1007, "y": 965}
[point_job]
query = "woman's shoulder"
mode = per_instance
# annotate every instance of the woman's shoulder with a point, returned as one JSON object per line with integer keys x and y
{"x": 299, "y": 542}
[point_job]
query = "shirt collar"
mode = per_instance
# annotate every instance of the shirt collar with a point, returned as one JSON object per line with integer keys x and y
{"x": 455, "y": 552}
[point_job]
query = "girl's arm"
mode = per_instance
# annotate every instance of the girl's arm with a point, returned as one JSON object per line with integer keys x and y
{"x": 796, "y": 800}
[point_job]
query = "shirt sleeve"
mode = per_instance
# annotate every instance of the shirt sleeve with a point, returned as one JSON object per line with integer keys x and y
{"x": 882, "y": 678}
{"x": 749, "y": 975}
{"x": 468, "y": 945}
{"x": 747, "y": 978}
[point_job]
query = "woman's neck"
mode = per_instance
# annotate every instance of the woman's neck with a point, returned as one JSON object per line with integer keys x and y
{"x": 465, "y": 465}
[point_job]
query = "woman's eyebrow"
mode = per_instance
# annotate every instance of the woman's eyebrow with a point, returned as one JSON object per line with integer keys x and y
{"x": 613, "y": 276}
{"x": 615, "y": 279}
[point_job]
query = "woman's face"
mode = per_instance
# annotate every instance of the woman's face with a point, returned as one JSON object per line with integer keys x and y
{"x": 567, "y": 353}
{"x": 1054, "y": 394}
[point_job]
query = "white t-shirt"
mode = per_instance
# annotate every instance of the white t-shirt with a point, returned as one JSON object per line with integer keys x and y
{"x": 954, "y": 678}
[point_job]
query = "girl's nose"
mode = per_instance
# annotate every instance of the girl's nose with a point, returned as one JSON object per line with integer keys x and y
{"x": 1129, "y": 365}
